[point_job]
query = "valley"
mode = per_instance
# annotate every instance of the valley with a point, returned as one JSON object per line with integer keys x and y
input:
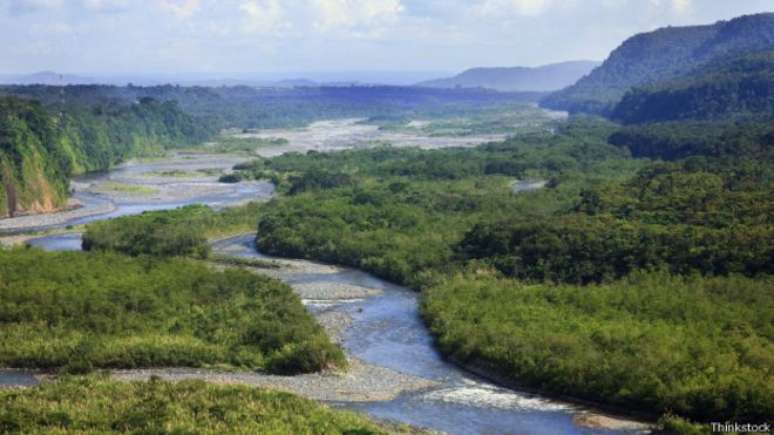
{"x": 394, "y": 371}
{"x": 575, "y": 248}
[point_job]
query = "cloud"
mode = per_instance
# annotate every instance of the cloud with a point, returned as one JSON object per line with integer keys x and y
{"x": 264, "y": 16}
{"x": 677, "y": 6}
{"x": 333, "y": 15}
{"x": 681, "y": 6}
{"x": 180, "y": 8}
{"x": 498, "y": 8}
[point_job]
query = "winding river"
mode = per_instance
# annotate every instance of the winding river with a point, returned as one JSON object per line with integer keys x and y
{"x": 397, "y": 374}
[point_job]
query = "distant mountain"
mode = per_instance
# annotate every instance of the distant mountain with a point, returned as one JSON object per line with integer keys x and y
{"x": 663, "y": 55}
{"x": 48, "y": 78}
{"x": 735, "y": 87}
{"x": 518, "y": 79}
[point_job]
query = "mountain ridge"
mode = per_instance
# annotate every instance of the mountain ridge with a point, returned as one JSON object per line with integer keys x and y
{"x": 543, "y": 78}
{"x": 663, "y": 54}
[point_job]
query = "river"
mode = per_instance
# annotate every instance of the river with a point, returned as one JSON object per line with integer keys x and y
{"x": 397, "y": 374}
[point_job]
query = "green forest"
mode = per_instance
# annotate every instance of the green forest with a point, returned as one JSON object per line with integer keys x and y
{"x": 613, "y": 257}
{"x": 98, "y": 405}
{"x": 671, "y": 54}
{"x": 184, "y": 232}
{"x": 41, "y": 147}
{"x": 731, "y": 88}
{"x": 76, "y": 312}
{"x": 696, "y": 347}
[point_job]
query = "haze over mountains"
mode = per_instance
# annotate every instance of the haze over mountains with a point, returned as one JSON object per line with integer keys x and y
{"x": 518, "y": 79}
{"x": 287, "y": 79}
{"x": 49, "y": 78}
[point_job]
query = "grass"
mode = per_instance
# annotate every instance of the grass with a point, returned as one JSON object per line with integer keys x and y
{"x": 244, "y": 262}
{"x": 79, "y": 311}
{"x": 131, "y": 189}
{"x": 237, "y": 145}
{"x": 95, "y": 404}
{"x": 178, "y": 173}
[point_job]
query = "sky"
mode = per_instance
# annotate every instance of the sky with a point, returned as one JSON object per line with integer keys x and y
{"x": 222, "y": 37}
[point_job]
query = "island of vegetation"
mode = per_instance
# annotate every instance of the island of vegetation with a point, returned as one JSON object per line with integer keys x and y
{"x": 82, "y": 311}
{"x": 98, "y": 405}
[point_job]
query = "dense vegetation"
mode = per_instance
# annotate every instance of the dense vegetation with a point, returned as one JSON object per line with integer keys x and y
{"x": 730, "y": 140}
{"x": 653, "y": 257}
{"x": 80, "y": 311}
{"x": 97, "y": 405}
{"x": 663, "y": 55}
{"x": 696, "y": 347}
{"x": 399, "y": 212}
{"x": 739, "y": 88}
{"x": 41, "y": 147}
{"x": 182, "y": 232}
{"x": 709, "y": 218}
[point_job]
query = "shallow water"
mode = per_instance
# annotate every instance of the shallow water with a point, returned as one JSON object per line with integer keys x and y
{"x": 168, "y": 193}
{"x": 17, "y": 378}
{"x": 353, "y": 133}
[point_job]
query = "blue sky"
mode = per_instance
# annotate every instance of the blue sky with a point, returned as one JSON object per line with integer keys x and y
{"x": 241, "y": 36}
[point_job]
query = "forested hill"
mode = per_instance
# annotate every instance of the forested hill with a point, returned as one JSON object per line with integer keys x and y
{"x": 42, "y": 146}
{"x": 543, "y": 78}
{"x": 740, "y": 87}
{"x": 247, "y": 107}
{"x": 663, "y": 55}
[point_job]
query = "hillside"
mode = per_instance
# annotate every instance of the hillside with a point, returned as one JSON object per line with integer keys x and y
{"x": 663, "y": 55}
{"x": 731, "y": 88}
{"x": 518, "y": 79}
{"x": 41, "y": 147}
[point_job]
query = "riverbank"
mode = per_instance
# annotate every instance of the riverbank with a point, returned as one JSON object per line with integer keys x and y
{"x": 611, "y": 417}
{"x": 138, "y": 186}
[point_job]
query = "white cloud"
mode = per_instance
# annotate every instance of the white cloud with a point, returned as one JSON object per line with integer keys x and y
{"x": 333, "y": 15}
{"x": 681, "y": 6}
{"x": 676, "y": 6}
{"x": 180, "y": 8}
{"x": 264, "y": 16}
{"x": 495, "y": 8}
